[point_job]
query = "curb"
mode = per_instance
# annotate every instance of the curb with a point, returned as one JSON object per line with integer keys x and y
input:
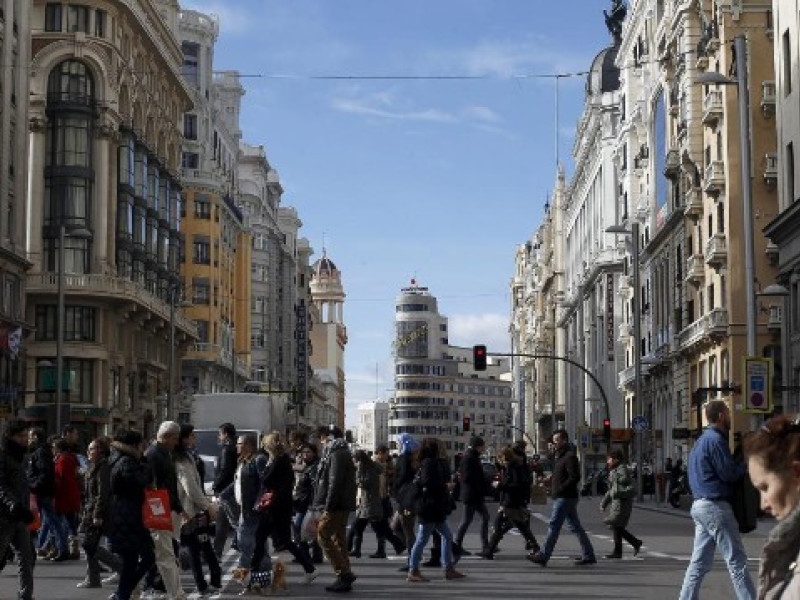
{"x": 665, "y": 511}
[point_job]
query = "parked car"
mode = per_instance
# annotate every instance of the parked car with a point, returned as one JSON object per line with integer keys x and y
{"x": 492, "y": 474}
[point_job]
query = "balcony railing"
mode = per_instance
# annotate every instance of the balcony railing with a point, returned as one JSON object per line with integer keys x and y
{"x": 695, "y": 269}
{"x": 716, "y": 250}
{"x": 768, "y": 98}
{"x": 775, "y": 320}
{"x": 713, "y": 108}
{"x": 715, "y": 177}
{"x": 771, "y": 170}
{"x": 712, "y": 324}
{"x": 693, "y": 203}
{"x": 626, "y": 376}
{"x": 108, "y": 285}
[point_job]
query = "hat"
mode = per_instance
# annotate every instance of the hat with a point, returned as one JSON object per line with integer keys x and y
{"x": 476, "y": 441}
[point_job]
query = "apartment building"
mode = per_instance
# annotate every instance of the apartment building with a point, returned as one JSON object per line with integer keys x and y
{"x": 216, "y": 262}
{"x": 373, "y": 425}
{"x": 14, "y": 81}
{"x": 105, "y": 203}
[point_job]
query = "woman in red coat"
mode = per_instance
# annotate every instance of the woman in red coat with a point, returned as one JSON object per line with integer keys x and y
{"x": 68, "y": 494}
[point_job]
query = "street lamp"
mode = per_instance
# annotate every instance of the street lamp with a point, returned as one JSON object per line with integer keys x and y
{"x": 636, "y": 317}
{"x": 711, "y": 77}
{"x": 80, "y": 233}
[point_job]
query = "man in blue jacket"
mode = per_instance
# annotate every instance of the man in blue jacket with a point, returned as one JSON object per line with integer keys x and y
{"x": 712, "y": 473}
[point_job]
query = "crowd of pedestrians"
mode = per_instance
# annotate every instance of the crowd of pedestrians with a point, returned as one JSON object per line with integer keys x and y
{"x": 314, "y": 498}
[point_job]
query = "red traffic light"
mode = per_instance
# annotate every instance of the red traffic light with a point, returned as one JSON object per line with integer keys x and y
{"x": 606, "y": 422}
{"x": 479, "y": 357}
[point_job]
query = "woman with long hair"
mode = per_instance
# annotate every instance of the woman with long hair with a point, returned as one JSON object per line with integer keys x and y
{"x": 195, "y": 533}
{"x": 432, "y": 509}
{"x": 773, "y": 460}
{"x": 276, "y": 519}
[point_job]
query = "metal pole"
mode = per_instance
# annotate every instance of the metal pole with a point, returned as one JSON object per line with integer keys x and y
{"x": 60, "y": 327}
{"x": 740, "y": 45}
{"x": 233, "y": 360}
{"x": 172, "y": 302}
{"x": 636, "y": 315}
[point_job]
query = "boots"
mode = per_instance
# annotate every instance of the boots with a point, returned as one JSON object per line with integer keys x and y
{"x": 381, "y": 553}
{"x": 494, "y": 541}
{"x": 355, "y": 546}
{"x": 74, "y": 547}
{"x": 316, "y": 553}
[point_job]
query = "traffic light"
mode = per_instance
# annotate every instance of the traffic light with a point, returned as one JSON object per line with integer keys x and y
{"x": 479, "y": 357}
{"x": 465, "y": 423}
{"x": 607, "y": 430}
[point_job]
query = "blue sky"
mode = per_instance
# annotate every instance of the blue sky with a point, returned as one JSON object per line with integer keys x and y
{"x": 430, "y": 178}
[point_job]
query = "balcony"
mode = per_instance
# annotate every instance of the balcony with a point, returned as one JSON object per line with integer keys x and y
{"x": 768, "y": 98}
{"x": 131, "y": 296}
{"x": 711, "y": 325}
{"x": 716, "y": 251}
{"x": 775, "y": 320}
{"x": 693, "y": 203}
{"x": 624, "y": 332}
{"x": 672, "y": 164}
{"x": 624, "y": 285}
{"x": 626, "y": 377}
{"x": 695, "y": 269}
{"x": 715, "y": 177}
{"x": 713, "y": 108}
{"x": 771, "y": 170}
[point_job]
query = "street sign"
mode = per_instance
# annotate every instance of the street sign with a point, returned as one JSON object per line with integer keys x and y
{"x": 639, "y": 424}
{"x": 758, "y": 384}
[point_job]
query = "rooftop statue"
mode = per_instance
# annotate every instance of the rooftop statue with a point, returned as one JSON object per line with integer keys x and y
{"x": 615, "y": 18}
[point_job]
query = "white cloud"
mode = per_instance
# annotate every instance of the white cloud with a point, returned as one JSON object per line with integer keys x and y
{"x": 490, "y": 329}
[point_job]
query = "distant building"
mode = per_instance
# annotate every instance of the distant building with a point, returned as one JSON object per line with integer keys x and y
{"x": 437, "y": 392}
{"x": 373, "y": 425}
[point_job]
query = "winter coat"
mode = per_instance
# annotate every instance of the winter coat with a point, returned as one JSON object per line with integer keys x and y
{"x": 566, "y": 474}
{"x": 14, "y": 493}
{"x": 190, "y": 487}
{"x": 368, "y": 474}
{"x": 515, "y": 485}
{"x": 620, "y": 494}
{"x": 226, "y": 467}
{"x": 303, "y": 494}
{"x": 41, "y": 471}
{"x": 279, "y": 478}
{"x": 781, "y": 551}
{"x": 97, "y": 497}
{"x": 434, "y": 505}
{"x": 472, "y": 478}
{"x": 336, "y": 479}
{"x": 130, "y": 475}
{"x": 67, "y": 488}
{"x": 249, "y": 473}
{"x": 164, "y": 477}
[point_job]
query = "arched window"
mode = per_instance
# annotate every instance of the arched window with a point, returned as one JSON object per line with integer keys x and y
{"x": 69, "y": 167}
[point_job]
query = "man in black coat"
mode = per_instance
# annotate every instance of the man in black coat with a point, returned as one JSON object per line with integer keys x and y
{"x": 41, "y": 474}
{"x": 223, "y": 477}
{"x": 564, "y": 490}
{"x": 15, "y": 513}
{"x": 473, "y": 495}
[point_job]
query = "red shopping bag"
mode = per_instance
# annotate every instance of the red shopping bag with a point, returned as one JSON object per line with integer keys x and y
{"x": 36, "y": 524}
{"x": 156, "y": 512}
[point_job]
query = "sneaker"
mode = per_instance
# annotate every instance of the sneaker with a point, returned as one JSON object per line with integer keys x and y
{"x": 309, "y": 577}
{"x": 111, "y": 579}
{"x": 86, "y": 584}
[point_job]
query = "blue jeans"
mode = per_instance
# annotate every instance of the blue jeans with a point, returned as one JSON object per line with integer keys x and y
{"x": 424, "y": 531}
{"x": 52, "y": 523}
{"x": 715, "y": 526}
{"x": 246, "y": 539}
{"x": 566, "y": 509}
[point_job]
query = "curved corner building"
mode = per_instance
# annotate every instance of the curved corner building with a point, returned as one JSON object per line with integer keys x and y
{"x": 436, "y": 389}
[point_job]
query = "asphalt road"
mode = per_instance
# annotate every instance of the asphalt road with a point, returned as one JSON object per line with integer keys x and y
{"x": 655, "y": 574}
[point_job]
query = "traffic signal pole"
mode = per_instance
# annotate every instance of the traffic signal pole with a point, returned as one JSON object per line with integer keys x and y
{"x": 574, "y": 364}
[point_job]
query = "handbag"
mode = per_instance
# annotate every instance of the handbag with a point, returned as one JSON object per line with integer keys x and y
{"x": 265, "y": 501}
{"x": 156, "y": 511}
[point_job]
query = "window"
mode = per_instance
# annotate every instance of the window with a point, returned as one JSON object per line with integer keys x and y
{"x": 786, "y": 60}
{"x": 79, "y": 323}
{"x": 52, "y": 16}
{"x": 77, "y": 18}
{"x": 100, "y": 18}
{"x": 191, "y": 56}
{"x": 190, "y": 126}
{"x": 201, "y": 250}
{"x": 202, "y": 331}
{"x": 790, "y": 197}
{"x": 202, "y": 206}
{"x": 11, "y": 296}
{"x": 190, "y": 160}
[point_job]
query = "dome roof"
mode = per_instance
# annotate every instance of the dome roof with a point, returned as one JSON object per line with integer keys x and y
{"x": 604, "y": 75}
{"x": 324, "y": 267}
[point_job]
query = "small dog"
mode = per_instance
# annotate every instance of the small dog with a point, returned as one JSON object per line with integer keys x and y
{"x": 240, "y": 574}
{"x": 278, "y": 576}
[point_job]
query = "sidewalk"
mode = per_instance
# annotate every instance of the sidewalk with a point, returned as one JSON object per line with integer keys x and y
{"x": 765, "y": 523}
